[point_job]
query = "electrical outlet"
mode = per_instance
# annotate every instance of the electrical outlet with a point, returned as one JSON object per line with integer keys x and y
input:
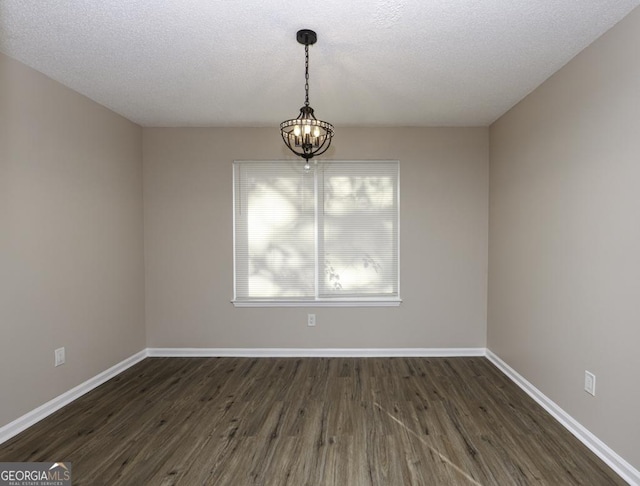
{"x": 590, "y": 383}
{"x": 59, "y": 355}
{"x": 311, "y": 320}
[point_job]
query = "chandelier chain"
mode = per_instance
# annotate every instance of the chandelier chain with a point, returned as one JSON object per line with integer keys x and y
{"x": 306, "y": 75}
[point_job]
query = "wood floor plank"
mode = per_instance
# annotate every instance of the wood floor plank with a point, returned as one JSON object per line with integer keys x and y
{"x": 310, "y": 421}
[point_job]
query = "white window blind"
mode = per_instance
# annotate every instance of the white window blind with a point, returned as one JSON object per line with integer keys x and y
{"x": 328, "y": 235}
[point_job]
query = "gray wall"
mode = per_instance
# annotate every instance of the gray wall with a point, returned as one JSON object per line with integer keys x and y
{"x": 71, "y": 251}
{"x": 189, "y": 245}
{"x": 564, "y": 285}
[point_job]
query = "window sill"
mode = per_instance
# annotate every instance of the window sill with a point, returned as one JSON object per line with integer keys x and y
{"x": 319, "y": 303}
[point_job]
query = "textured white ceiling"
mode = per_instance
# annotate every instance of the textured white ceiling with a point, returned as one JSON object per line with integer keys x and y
{"x": 237, "y": 63}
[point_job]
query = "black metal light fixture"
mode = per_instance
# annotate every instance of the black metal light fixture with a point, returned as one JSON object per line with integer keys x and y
{"x": 305, "y": 135}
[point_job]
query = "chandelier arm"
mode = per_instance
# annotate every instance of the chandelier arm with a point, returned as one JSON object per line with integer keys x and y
{"x": 286, "y": 138}
{"x": 324, "y": 146}
{"x": 320, "y": 151}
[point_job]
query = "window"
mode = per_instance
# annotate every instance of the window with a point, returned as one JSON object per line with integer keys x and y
{"x": 327, "y": 236}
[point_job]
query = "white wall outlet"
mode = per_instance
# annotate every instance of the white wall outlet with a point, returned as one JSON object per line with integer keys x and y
{"x": 590, "y": 383}
{"x": 60, "y": 358}
{"x": 311, "y": 320}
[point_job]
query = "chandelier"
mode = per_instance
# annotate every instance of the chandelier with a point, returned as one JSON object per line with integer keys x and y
{"x": 306, "y": 136}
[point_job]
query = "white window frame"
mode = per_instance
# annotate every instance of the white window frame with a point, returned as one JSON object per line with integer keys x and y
{"x": 377, "y": 301}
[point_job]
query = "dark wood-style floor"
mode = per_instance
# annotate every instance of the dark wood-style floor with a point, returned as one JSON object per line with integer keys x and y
{"x": 310, "y": 421}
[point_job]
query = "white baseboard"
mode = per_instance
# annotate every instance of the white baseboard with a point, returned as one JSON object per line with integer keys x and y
{"x": 27, "y": 420}
{"x": 625, "y": 470}
{"x": 314, "y": 352}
